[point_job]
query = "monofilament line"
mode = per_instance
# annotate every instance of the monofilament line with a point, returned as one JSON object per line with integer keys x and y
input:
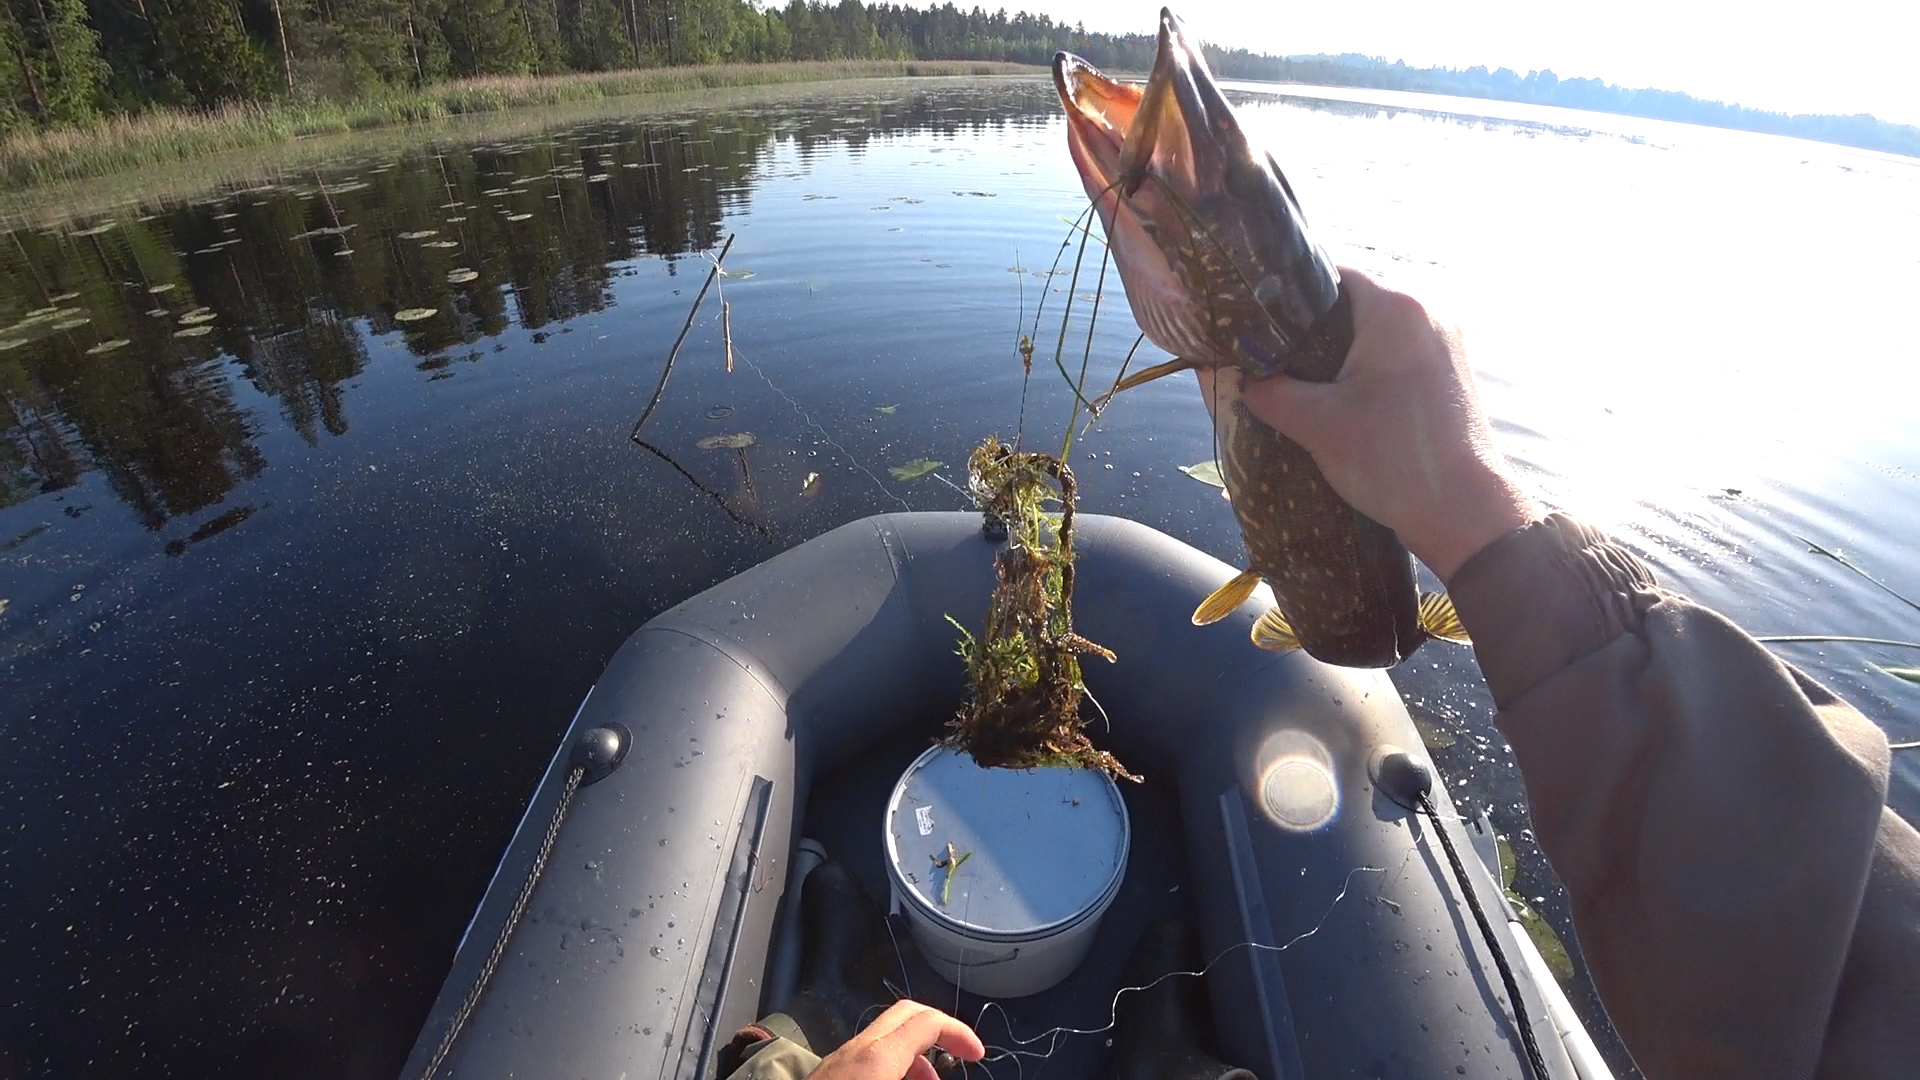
{"x": 1054, "y": 1035}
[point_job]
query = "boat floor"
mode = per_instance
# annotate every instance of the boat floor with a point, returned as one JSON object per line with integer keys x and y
{"x": 845, "y": 812}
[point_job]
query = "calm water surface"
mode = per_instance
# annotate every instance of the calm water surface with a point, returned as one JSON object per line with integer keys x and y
{"x": 318, "y": 515}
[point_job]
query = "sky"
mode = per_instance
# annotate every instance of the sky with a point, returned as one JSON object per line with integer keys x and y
{"x": 1819, "y": 56}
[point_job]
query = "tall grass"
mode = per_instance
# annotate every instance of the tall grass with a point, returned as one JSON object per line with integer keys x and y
{"x": 169, "y": 135}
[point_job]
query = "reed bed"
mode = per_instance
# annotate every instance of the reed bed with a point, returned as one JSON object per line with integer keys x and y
{"x": 165, "y": 136}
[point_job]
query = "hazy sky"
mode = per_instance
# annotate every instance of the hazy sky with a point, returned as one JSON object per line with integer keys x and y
{"x": 1840, "y": 56}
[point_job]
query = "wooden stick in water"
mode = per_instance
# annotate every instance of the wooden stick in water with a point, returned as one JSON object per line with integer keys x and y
{"x": 674, "y": 354}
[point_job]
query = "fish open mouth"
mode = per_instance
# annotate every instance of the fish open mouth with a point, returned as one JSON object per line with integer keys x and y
{"x": 1209, "y": 241}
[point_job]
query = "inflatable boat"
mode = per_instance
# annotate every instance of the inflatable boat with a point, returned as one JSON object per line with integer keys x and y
{"x": 644, "y": 909}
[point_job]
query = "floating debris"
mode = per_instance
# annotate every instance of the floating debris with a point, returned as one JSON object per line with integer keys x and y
{"x": 441, "y": 244}
{"x": 325, "y": 230}
{"x": 198, "y": 315}
{"x": 414, "y": 314}
{"x": 419, "y": 235}
{"x": 165, "y": 286}
{"x": 194, "y": 331}
{"x": 1207, "y": 472}
{"x": 461, "y": 276}
{"x": 886, "y": 410}
{"x": 598, "y": 178}
{"x": 61, "y": 298}
{"x": 344, "y": 251}
{"x": 109, "y": 346}
{"x": 739, "y": 440}
{"x": 811, "y": 485}
{"x": 914, "y": 470}
{"x": 518, "y": 217}
{"x": 73, "y": 323}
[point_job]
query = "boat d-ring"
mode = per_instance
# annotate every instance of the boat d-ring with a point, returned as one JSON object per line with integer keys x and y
{"x": 601, "y": 750}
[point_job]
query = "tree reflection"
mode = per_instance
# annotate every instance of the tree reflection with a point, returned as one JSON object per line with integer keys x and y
{"x": 119, "y": 346}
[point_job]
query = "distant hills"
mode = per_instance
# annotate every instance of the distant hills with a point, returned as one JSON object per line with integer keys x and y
{"x": 1545, "y": 88}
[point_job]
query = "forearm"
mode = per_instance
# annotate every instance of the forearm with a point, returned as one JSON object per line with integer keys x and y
{"x": 1714, "y": 814}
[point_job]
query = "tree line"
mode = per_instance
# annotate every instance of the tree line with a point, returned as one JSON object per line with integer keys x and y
{"x": 73, "y": 61}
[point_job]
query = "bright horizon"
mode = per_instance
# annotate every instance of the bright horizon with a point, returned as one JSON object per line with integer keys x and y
{"x": 1843, "y": 56}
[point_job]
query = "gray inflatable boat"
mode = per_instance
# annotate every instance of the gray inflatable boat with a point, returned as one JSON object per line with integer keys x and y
{"x": 642, "y": 912}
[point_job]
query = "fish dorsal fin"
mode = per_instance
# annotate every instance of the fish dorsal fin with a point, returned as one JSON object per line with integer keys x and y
{"x": 1439, "y": 619}
{"x": 1226, "y": 598}
{"x": 1273, "y": 634}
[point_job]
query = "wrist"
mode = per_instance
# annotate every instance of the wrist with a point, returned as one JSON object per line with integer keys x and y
{"x": 1479, "y": 514}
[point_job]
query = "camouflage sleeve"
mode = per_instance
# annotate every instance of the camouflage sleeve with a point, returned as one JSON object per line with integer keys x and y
{"x": 1745, "y": 901}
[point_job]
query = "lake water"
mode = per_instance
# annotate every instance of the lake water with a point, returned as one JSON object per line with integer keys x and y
{"x": 299, "y": 585}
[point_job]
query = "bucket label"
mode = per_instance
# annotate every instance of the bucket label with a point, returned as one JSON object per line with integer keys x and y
{"x": 923, "y": 816}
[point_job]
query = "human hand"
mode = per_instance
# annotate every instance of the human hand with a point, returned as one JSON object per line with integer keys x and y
{"x": 892, "y": 1046}
{"x": 1399, "y": 434}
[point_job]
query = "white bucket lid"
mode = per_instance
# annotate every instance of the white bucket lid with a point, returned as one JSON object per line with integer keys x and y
{"x": 1049, "y": 846}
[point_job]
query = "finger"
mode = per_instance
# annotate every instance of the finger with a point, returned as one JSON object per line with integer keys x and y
{"x": 922, "y": 1069}
{"x": 1290, "y": 406}
{"x": 929, "y": 1028}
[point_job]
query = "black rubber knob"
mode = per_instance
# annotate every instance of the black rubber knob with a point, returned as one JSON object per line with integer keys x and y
{"x": 1401, "y": 777}
{"x": 600, "y": 750}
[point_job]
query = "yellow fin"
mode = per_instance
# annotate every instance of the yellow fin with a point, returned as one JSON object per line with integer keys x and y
{"x": 1438, "y": 618}
{"x": 1273, "y": 634}
{"x": 1226, "y": 598}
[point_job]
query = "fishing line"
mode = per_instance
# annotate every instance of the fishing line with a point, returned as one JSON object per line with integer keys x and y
{"x": 1055, "y": 1034}
{"x": 822, "y": 432}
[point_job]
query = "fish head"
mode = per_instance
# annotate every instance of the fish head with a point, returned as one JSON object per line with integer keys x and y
{"x": 1209, "y": 240}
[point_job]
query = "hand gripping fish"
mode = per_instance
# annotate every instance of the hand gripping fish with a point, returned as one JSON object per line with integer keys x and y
{"x": 1219, "y": 270}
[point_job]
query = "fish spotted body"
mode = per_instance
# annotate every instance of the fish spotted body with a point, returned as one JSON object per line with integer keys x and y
{"x": 1220, "y": 272}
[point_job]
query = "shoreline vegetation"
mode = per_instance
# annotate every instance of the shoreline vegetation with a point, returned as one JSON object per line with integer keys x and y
{"x": 168, "y": 136}
{"x": 89, "y": 89}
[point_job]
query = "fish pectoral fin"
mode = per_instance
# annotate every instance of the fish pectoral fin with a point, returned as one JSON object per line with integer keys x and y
{"x": 1226, "y": 598}
{"x": 1439, "y": 619}
{"x": 1273, "y": 634}
{"x": 1143, "y": 377}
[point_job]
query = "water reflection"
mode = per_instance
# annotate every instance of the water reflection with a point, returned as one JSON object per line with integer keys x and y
{"x": 115, "y": 334}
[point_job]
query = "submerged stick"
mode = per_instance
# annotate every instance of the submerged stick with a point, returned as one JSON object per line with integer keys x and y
{"x": 674, "y": 353}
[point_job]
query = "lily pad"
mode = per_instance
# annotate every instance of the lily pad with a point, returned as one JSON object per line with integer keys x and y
{"x": 461, "y": 276}
{"x": 886, "y": 410}
{"x": 739, "y": 440}
{"x": 109, "y": 346}
{"x": 1207, "y": 472}
{"x": 914, "y": 470}
{"x": 415, "y": 314}
{"x": 1910, "y": 674}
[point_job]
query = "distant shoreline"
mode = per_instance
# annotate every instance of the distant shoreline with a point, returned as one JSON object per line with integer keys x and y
{"x": 36, "y": 159}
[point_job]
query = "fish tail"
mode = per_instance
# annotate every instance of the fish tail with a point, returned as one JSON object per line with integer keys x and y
{"x": 1226, "y": 598}
{"x": 1439, "y": 619}
{"x": 1273, "y": 634}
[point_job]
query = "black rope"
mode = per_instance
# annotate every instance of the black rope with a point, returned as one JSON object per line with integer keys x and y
{"x": 1535, "y": 1063}
{"x": 462, "y": 1014}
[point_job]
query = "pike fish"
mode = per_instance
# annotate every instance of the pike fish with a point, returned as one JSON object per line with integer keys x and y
{"x": 1220, "y": 272}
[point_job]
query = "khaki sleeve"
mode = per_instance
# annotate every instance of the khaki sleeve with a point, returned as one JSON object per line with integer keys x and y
{"x": 1745, "y": 901}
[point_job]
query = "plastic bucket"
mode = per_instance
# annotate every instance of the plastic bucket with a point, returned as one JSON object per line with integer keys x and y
{"x": 1003, "y": 874}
